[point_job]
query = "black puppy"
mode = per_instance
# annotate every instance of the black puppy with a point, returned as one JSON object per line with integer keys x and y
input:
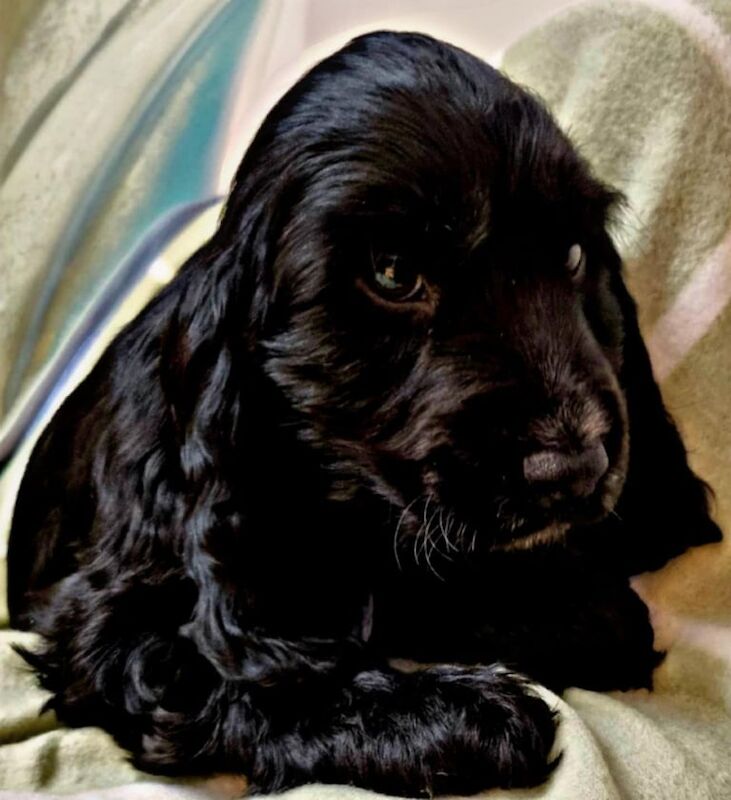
{"x": 398, "y": 406}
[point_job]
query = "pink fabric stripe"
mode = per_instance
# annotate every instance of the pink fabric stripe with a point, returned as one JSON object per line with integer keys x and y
{"x": 693, "y": 312}
{"x": 701, "y": 27}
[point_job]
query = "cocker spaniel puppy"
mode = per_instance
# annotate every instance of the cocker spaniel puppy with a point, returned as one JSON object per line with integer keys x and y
{"x": 397, "y": 407}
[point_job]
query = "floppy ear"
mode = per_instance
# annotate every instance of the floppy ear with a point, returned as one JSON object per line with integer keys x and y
{"x": 664, "y": 506}
{"x": 225, "y": 427}
{"x": 225, "y": 299}
{"x": 219, "y": 405}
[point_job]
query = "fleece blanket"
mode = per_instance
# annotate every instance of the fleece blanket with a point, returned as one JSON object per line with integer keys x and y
{"x": 645, "y": 90}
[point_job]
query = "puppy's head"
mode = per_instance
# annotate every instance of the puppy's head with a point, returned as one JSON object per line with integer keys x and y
{"x": 435, "y": 294}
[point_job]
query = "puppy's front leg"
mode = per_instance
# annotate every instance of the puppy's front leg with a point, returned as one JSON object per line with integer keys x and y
{"x": 440, "y": 731}
{"x": 444, "y": 730}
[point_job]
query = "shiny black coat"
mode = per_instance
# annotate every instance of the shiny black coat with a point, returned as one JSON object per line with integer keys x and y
{"x": 279, "y": 475}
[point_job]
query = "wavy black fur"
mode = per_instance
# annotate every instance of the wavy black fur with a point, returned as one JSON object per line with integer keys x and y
{"x": 276, "y": 478}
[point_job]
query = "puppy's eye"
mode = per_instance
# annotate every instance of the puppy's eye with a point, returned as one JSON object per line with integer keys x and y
{"x": 395, "y": 280}
{"x": 576, "y": 262}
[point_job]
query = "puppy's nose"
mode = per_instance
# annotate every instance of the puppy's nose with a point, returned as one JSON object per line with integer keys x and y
{"x": 572, "y": 473}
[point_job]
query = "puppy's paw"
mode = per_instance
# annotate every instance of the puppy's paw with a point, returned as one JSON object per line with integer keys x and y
{"x": 444, "y": 730}
{"x": 503, "y": 732}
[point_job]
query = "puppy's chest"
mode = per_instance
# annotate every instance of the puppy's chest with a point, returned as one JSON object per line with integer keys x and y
{"x": 308, "y": 585}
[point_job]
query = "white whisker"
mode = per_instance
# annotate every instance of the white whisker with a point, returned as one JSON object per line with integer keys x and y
{"x": 396, "y": 542}
{"x": 446, "y": 529}
{"x": 430, "y": 546}
{"x": 473, "y": 543}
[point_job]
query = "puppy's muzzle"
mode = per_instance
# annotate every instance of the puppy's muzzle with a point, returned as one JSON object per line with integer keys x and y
{"x": 561, "y": 474}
